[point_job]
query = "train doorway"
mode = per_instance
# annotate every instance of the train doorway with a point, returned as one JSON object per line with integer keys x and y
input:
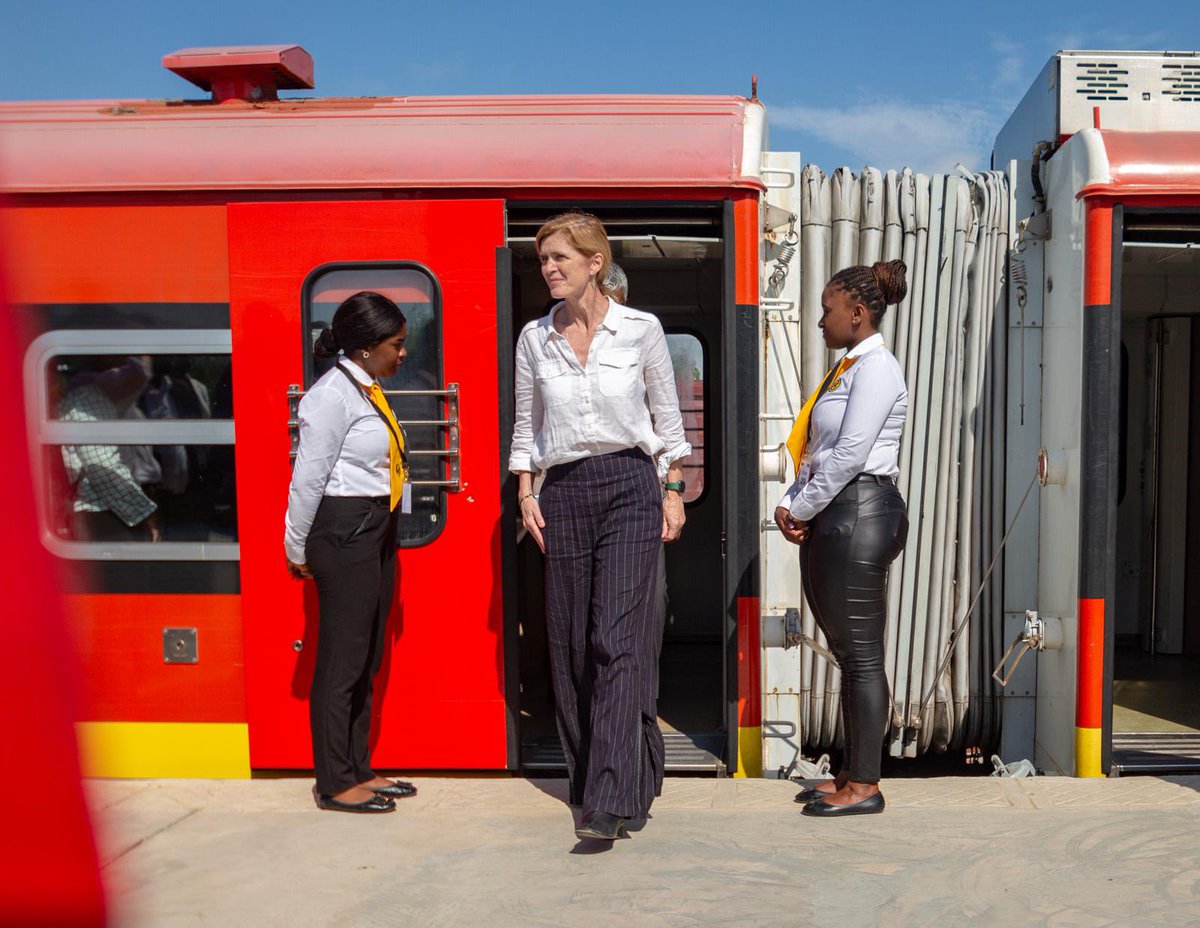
{"x": 1156, "y": 642}
{"x": 675, "y": 258}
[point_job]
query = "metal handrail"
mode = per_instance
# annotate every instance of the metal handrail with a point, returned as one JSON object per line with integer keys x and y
{"x": 450, "y": 454}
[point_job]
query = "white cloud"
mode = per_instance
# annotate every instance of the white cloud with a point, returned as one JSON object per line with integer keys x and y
{"x": 928, "y": 137}
{"x": 1011, "y": 71}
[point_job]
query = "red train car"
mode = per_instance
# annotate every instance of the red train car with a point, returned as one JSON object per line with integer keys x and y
{"x": 174, "y": 261}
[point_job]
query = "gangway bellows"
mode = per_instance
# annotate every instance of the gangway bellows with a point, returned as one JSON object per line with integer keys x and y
{"x": 952, "y": 232}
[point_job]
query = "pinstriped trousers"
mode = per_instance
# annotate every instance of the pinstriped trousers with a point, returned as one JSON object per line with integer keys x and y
{"x": 603, "y": 531}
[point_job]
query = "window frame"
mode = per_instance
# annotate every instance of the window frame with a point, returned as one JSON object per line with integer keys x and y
{"x": 46, "y": 431}
{"x": 704, "y": 357}
{"x": 436, "y": 305}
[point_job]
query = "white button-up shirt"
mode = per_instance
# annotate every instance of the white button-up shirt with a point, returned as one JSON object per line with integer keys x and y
{"x": 344, "y": 451}
{"x": 623, "y": 397}
{"x": 855, "y": 430}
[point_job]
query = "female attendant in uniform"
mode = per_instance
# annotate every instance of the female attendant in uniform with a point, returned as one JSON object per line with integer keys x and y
{"x": 595, "y": 404}
{"x": 349, "y": 478}
{"x": 847, "y": 516}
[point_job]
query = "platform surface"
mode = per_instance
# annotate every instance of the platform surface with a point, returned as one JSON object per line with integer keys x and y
{"x": 497, "y": 852}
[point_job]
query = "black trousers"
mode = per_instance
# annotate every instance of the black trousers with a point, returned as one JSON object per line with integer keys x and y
{"x": 351, "y": 551}
{"x": 844, "y": 564}
{"x": 603, "y": 533}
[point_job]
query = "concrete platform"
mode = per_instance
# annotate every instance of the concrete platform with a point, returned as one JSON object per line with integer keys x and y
{"x": 500, "y": 852}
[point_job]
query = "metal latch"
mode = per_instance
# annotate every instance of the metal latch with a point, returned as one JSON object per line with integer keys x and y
{"x": 1039, "y": 635}
{"x": 793, "y": 636}
{"x": 1035, "y": 228}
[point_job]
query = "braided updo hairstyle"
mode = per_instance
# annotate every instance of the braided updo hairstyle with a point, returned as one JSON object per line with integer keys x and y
{"x": 877, "y": 287}
{"x": 362, "y": 320}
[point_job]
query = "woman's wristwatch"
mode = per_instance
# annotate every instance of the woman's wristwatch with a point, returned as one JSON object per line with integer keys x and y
{"x": 677, "y": 485}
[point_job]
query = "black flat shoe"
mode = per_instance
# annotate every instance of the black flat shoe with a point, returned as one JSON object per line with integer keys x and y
{"x": 602, "y": 825}
{"x": 809, "y": 794}
{"x": 868, "y": 806}
{"x": 374, "y": 804}
{"x": 398, "y": 789}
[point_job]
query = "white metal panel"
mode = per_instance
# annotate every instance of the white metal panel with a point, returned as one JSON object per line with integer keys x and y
{"x": 780, "y": 399}
{"x": 1061, "y": 409}
{"x": 1134, "y": 90}
{"x": 1024, "y": 417}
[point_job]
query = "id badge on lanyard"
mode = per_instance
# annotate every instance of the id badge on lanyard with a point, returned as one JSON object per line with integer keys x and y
{"x": 806, "y": 471}
{"x": 406, "y": 499}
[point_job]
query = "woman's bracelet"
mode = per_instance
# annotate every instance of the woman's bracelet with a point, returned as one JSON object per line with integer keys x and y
{"x": 521, "y": 499}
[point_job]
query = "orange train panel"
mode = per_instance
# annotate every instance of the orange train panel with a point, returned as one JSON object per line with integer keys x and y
{"x": 745, "y": 223}
{"x": 120, "y": 640}
{"x": 118, "y": 254}
{"x": 1097, "y": 273}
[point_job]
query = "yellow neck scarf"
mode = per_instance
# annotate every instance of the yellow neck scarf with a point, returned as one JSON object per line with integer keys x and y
{"x": 398, "y": 472}
{"x": 798, "y": 439}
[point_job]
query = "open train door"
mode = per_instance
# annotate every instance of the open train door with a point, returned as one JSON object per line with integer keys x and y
{"x": 440, "y": 696}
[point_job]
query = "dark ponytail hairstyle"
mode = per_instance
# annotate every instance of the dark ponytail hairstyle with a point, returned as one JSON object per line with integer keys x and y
{"x": 879, "y": 286}
{"x": 363, "y": 320}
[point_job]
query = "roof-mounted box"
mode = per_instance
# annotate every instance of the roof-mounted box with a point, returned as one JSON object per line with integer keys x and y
{"x": 249, "y": 73}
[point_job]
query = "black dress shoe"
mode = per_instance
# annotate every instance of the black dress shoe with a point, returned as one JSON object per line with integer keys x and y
{"x": 868, "y": 806}
{"x": 602, "y": 825}
{"x": 374, "y": 804}
{"x": 809, "y": 794}
{"x": 398, "y": 789}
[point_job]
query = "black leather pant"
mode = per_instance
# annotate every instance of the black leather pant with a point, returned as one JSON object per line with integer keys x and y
{"x": 844, "y": 563}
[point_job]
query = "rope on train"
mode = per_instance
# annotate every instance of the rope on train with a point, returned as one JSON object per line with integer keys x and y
{"x": 974, "y": 602}
{"x": 812, "y": 645}
{"x": 815, "y": 647}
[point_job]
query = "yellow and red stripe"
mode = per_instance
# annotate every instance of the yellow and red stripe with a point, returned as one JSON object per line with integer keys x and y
{"x": 1089, "y": 699}
{"x": 1097, "y": 496}
{"x": 749, "y": 664}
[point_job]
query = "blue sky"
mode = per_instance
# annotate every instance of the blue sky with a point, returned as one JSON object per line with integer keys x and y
{"x": 923, "y": 84}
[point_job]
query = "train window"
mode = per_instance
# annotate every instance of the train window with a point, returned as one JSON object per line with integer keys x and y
{"x": 415, "y": 291}
{"x": 687, "y": 358}
{"x": 135, "y": 430}
{"x": 176, "y": 386}
{"x": 111, "y": 494}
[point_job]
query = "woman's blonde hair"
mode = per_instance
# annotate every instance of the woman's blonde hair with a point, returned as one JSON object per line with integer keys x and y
{"x": 587, "y": 236}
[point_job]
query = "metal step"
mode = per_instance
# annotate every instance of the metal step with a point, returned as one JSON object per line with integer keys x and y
{"x": 1155, "y": 752}
{"x": 685, "y": 753}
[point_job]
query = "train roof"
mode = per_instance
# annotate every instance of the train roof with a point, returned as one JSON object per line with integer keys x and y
{"x": 1125, "y": 163}
{"x": 483, "y": 142}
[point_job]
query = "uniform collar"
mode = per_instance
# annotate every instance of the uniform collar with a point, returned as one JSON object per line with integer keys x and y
{"x": 357, "y": 372}
{"x": 867, "y": 344}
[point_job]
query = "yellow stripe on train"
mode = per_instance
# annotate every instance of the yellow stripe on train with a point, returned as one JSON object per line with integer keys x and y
{"x": 219, "y": 750}
{"x": 1087, "y": 752}
{"x": 749, "y": 752}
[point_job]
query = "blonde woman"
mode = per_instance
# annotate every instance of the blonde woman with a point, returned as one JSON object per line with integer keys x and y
{"x": 595, "y": 404}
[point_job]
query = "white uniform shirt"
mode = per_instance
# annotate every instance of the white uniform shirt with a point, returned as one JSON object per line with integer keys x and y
{"x": 855, "y": 430}
{"x": 343, "y": 452}
{"x": 565, "y": 411}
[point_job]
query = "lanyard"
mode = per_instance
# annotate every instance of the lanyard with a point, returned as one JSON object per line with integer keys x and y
{"x": 379, "y": 412}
